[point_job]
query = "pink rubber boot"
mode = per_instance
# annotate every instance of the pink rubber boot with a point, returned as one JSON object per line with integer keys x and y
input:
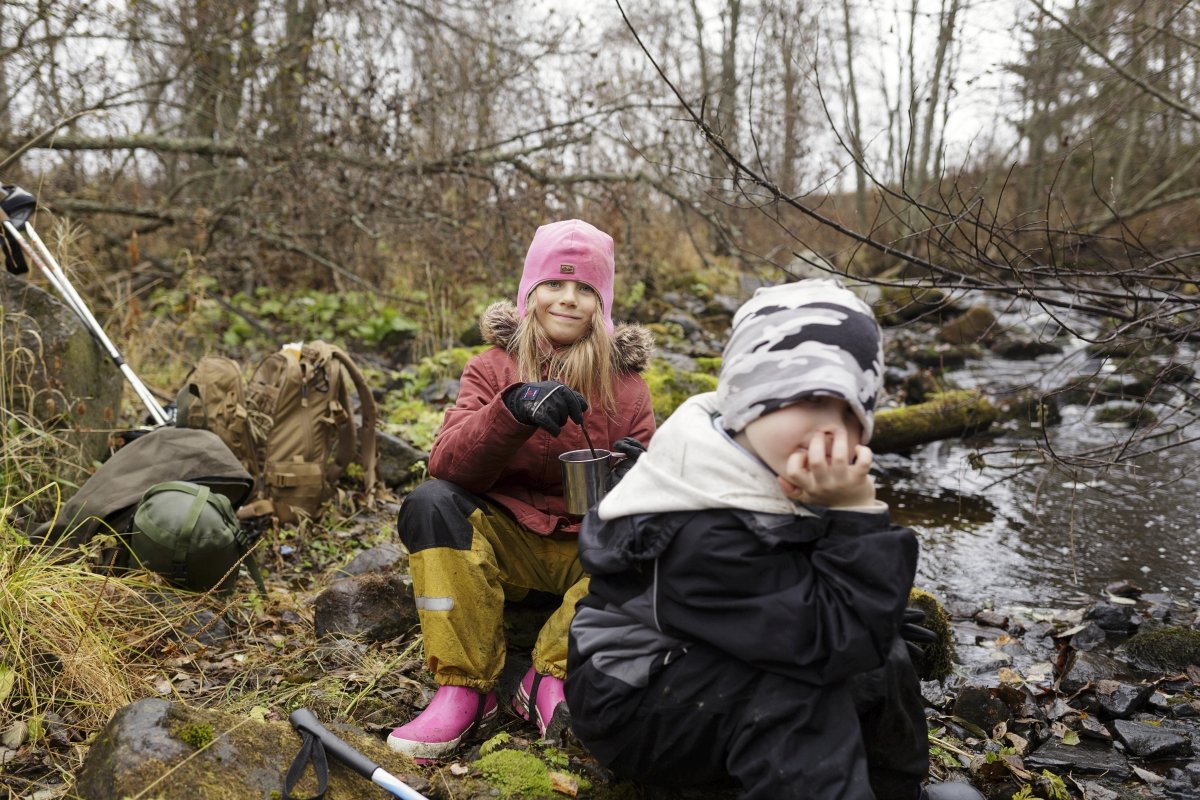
{"x": 453, "y": 712}
{"x": 548, "y": 708}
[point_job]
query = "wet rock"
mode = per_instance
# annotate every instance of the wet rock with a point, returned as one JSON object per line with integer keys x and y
{"x": 1176, "y": 706}
{"x": 1151, "y": 741}
{"x": 1094, "y": 728}
{"x": 1092, "y": 790}
{"x": 1087, "y": 757}
{"x": 1119, "y": 700}
{"x": 1183, "y": 784}
{"x": 1023, "y": 348}
{"x": 377, "y": 559}
{"x": 981, "y": 707}
{"x": 371, "y": 607}
{"x": 943, "y": 356}
{"x": 1123, "y": 589}
{"x": 1091, "y": 637}
{"x": 992, "y": 619}
{"x": 1112, "y": 617}
{"x": 395, "y": 458}
{"x": 1087, "y": 668}
{"x": 1030, "y": 407}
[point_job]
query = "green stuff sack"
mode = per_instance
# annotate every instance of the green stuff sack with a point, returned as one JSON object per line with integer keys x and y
{"x": 190, "y": 535}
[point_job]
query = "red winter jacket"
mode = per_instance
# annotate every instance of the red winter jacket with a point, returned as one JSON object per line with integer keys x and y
{"x": 483, "y": 448}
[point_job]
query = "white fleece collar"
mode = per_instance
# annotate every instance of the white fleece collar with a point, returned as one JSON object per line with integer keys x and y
{"x": 691, "y": 465}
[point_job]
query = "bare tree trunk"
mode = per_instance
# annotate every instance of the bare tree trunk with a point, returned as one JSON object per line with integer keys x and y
{"x": 925, "y": 134}
{"x": 295, "y": 53}
{"x": 5, "y": 100}
{"x": 860, "y": 173}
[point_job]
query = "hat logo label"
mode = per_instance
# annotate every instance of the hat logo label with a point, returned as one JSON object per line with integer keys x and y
{"x": 566, "y": 269}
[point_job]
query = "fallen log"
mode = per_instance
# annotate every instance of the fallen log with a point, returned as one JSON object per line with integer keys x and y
{"x": 948, "y": 415}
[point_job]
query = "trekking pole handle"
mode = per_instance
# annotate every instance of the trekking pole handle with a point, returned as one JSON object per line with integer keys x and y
{"x": 304, "y": 720}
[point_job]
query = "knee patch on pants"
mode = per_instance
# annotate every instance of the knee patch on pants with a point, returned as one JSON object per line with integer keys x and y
{"x": 437, "y": 514}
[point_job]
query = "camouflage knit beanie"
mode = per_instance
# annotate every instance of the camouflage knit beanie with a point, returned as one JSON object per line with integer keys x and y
{"x": 813, "y": 337}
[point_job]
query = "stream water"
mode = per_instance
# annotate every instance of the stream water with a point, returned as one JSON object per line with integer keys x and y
{"x": 1045, "y": 536}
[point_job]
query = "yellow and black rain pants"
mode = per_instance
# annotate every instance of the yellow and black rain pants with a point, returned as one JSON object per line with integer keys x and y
{"x": 466, "y": 558}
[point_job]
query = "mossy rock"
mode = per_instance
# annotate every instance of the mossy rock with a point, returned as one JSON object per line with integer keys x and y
{"x": 1164, "y": 649}
{"x": 669, "y": 386}
{"x": 1130, "y": 415}
{"x": 1031, "y": 407}
{"x": 154, "y": 748}
{"x": 937, "y": 661}
{"x": 976, "y": 325}
{"x": 55, "y": 371}
{"x": 900, "y": 304}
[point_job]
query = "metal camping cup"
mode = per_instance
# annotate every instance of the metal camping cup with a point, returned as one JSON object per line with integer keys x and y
{"x": 586, "y": 477}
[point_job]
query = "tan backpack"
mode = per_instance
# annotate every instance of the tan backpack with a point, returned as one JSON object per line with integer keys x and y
{"x": 301, "y": 429}
{"x": 213, "y": 398}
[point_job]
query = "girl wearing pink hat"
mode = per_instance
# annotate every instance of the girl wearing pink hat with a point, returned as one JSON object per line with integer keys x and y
{"x": 493, "y": 525}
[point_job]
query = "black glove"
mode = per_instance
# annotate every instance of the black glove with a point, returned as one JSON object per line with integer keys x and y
{"x": 546, "y": 404}
{"x": 916, "y": 638}
{"x": 632, "y": 449}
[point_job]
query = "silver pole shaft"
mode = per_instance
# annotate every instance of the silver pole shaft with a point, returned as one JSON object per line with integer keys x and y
{"x": 40, "y": 254}
{"x": 382, "y": 777}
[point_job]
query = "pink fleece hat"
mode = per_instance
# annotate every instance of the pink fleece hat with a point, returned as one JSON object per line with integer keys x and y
{"x": 570, "y": 250}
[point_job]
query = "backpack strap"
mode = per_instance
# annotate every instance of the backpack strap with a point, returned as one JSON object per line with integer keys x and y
{"x": 184, "y": 541}
{"x": 366, "y": 434}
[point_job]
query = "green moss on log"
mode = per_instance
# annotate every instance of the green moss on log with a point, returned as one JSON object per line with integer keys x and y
{"x": 944, "y": 416}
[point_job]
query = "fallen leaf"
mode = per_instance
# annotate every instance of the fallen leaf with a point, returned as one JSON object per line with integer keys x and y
{"x": 459, "y": 770}
{"x": 564, "y": 784}
{"x": 1148, "y": 776}
{"x": 1010, "y": 676}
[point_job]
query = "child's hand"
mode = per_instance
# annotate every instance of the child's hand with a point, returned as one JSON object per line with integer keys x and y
{"x": 832, "y": 479}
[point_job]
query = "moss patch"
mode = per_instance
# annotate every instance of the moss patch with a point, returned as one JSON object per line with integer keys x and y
{"x": 670, "y": 387}
{"x": 944, "y": 416}
{"x": 198, "y": 735}
{"x": 516, "y": 774}
{"x": 938, "y": 659}
{"x": 1165, "y": 649}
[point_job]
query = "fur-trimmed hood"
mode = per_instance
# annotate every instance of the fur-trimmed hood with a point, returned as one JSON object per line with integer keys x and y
{"x": 633, "y": 345}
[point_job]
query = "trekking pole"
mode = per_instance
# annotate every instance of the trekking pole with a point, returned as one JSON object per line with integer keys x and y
{"x": 17, "y": 206}
{"x": 315, "y": 734}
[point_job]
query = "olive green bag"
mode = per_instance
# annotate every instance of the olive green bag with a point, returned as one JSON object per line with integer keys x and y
{"x": 190, "y": 535}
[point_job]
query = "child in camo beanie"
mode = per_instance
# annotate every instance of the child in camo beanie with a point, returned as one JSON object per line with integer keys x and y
{"x": 812, "y": 337}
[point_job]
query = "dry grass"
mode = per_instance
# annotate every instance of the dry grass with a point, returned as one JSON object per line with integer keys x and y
{"x": 74, "y": 643}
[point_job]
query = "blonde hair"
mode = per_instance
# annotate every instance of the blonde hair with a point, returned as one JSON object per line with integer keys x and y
{"x": 586, "y": 365}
